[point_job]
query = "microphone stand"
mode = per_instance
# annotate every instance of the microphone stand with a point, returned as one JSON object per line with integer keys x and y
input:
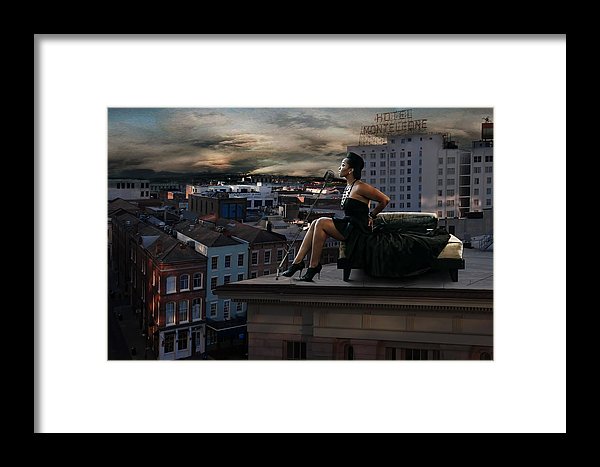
{"x": 329, "y": 176}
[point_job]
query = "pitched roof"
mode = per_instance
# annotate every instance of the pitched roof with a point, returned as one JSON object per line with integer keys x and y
{"x": 205, "y": 235}
{"x": 119, "y": 203}
{"x": 249, "y": 233}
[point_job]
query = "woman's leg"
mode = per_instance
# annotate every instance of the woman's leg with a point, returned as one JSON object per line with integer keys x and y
{"x": 324, "y": 228}
{"x": 306, "y": 243}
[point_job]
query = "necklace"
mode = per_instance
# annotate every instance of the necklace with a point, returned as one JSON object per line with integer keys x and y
{"x": 346, "y": 193}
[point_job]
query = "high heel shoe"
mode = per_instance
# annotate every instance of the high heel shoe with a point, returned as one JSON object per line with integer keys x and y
{"x": 310, "y": 273}
{"x": 293, "y": 268}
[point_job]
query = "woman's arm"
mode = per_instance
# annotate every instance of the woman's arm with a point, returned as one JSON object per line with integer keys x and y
{"x": 367, "y": 191}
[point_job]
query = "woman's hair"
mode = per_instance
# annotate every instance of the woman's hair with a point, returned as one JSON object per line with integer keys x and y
{"x": 356, "y": 162}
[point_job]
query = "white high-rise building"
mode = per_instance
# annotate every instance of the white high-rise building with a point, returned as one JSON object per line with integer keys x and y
{"x": 399, "y": 169}
{"x": 428, "y": 172}
{"x": 128, "y": 189}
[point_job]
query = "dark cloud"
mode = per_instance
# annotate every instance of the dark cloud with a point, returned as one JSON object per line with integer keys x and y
{"x": 302, "y": 119}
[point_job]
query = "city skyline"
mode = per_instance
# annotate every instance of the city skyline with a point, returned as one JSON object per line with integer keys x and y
{"x": 275, "y": 141}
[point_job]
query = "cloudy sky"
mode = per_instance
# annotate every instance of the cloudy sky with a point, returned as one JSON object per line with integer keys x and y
{"x": 287, "y": 141}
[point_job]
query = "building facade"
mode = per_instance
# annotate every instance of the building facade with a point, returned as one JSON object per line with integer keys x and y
{"x": 128, "y": 189}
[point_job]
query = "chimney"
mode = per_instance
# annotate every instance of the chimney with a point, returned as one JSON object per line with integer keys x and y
{"x": 269, "y": 226}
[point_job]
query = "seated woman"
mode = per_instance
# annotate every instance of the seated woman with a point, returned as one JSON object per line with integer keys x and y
{"x": 381, "y": 252}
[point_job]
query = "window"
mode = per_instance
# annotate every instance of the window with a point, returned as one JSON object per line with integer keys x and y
{"x": 169, "y": 342}
{"x": 408, "y": 205}
{"x": 170, "y": 313}
{"x": 476, "y": 170}
{"x": 226, "y": 279}
{"x": 213, "y": 283}
{"x": 440, "y": 171}
{"x": 381, "y": 163}
{"x": 452, "y": 160}
{"x": 240, "y": 277}
{"x": 214, "y": 262}
{"x": 390, "y": 353}
{"x": 213, "y": 309}
{"x": 239, "y": 306}
{"x": 382, "y": 188}
{"x": 392, "y": 163}
{"x": 401, "y": 197}
{"x": 488, "y": 191}
{"x": 450, "y": 214}
{"x": 421, "y": 354}
{"x": 408, "y": 195}
{"x": 402, "y": 154}
{"x": 401, "y": 205}
{"x": 279, "y": 255}
{"x": 401, "y": 188}
{"x": 489, "y": 180}
{"x": 292, "y": 254}
{"x": 449, "y": 202}
{"x": 451, "y": 170}
{"x": 450, "y": 192}
{"x": 141, "y": 194}
{"x": 197, "y": 280}
{"x": 182, "y": 339}
{"x": 489, "y": 158}
{"x": 440, "y": 203}
{"x": 393, "y": 197}
{"x": 476, "y": 181}
{"x": 196, "y": 309}
{"x": 184, "y": 282}
{"x": 439, "y": 192}
{"x": 392, "y": 188}
{"x": 373, "y": 172}
{"x": 440, "y": 182}
{"x": 226, "y": 309}
{"x": 267, "y": 257}
{"x": 240, "y": 259}
{"x": 392, "y": 171}
{"x": 349, "y": 353}
{"x": 440, "y": 213}
{"x": 488, "y": 202}
{"x": 475, "y": 191}
{"x": 408, "y": 179}
{"x": 266, "y": 272}
{"x": 253, "y": 274}
{"x": 450, "y": 181}
{"x": 295, "y": 350}
{"x": 372, "y": 164}
{"x": 392, "y": 205}
{"x": 382, "y": 172}
{"x": 183, "y": 311}
{"x": 171, "y": 287}
{"x": 402, "y": 164}
{"x": 254, "y": 258}
{"x": 409, "y": 154}
{"x": 476, "y": 158}
{"x": 408, "y": 171}
{"x": 475, "y": 202}
{"x": 440, "y": 161}
{"x": 408, "y": 162}
{"x": 488, "y": 170}
{"x": 227, "y": 261}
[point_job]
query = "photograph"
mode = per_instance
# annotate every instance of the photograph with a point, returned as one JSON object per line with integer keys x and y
{"x": 292, "y": 233}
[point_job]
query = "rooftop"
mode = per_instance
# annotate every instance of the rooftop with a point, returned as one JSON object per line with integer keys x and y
{"x": 475, "y": 282}
{"x": 204, "y": 235}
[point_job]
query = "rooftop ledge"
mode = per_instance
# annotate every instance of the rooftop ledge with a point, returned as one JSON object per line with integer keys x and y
{"x": 474, "y": 288}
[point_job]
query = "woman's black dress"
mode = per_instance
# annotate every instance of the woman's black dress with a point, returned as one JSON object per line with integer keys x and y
{"x": 387, "y": 250}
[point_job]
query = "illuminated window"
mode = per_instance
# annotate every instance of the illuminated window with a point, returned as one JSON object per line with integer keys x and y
{"x": 197, "y": 280}
{"x": 170, "y": 313}
{"x": 171, "y": 285}
{"x": 196, "y": 309}
{"x": 184, "y": 282}
{"x": 183, "y": 311}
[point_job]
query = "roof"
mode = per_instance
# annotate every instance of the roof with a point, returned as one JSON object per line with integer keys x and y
{"x": 119, "y": 203}
{"x": 474, "y": 287}
{"x": 249, "y": 233}
{"x": 205, "y": 235}
{"x": 168, "y": 249}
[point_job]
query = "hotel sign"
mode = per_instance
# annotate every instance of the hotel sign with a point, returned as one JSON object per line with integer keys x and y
{"x": 394, "y": 123}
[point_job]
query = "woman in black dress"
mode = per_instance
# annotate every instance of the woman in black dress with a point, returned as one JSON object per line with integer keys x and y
{"x": 385, "y": 251}
{"x": 355, "y": 203}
